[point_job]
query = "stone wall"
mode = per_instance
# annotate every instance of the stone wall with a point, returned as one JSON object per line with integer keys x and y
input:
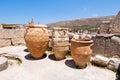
{"x": 115, "y": 29}
{"x": 112, "y": 26}
{"x": 107, "y": 45}
{"x": 104, "y": 27}
{"x": 11, "y": 37}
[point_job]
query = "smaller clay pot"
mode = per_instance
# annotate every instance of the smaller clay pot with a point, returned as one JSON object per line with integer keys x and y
{"x": 60, "y": 42}
{"x": 81, "y": 52}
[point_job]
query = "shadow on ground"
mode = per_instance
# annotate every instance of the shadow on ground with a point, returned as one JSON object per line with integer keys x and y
{"x": 118, "y": 73}
{"x": 26, "y": 50}
{"x": 29, "y": 57}
{"x": 71, "y": 64}
{"x": 52, "y": 57}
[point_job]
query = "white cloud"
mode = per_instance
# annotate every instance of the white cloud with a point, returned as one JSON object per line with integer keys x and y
{"x": 95, "y": 15}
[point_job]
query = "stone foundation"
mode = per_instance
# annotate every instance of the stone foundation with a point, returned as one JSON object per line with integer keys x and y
{"x": 5, "y": 42}
{"x": 107, "y": 45}
{"x": 10, "y": 37}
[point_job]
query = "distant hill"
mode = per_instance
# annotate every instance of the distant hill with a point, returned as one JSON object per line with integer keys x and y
{"x": 91, "y": 22}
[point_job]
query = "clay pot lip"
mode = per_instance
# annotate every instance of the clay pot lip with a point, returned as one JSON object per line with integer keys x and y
{"x": 60, "y": 28}
{"x": 37, "y": 26}
{"x": 85, "y": 41}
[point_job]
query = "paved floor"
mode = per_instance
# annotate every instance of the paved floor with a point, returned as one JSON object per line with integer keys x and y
{"x": 49, "y": 69}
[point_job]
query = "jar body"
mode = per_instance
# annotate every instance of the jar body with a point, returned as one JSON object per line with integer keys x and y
{"x": 81, "y": 53}
{"x": 60, "y": 42}
{"x": 37, "y": 39}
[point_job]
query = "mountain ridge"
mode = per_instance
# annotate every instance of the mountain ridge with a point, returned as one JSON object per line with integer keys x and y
{"x": 95, "y": 21}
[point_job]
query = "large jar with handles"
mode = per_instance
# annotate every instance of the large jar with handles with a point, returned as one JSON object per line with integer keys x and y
{"x": 37, "y": 38}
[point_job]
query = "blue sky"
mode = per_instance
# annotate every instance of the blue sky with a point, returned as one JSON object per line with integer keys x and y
{"x": 47, "y": 11}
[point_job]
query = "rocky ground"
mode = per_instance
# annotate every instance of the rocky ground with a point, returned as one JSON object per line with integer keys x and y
{"x": 48, "y": 68}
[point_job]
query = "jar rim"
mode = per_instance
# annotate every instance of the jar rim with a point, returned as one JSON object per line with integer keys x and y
{"x": 37, "y": 26}
{"x": 82, "y": 41}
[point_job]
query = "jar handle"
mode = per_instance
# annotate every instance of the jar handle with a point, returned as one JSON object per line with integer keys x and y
{"x": 43, "y": 29}
{"x": 27, "y": 29}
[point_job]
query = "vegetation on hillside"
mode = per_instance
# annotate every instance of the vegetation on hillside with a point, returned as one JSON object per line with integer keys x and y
{"x": 90, "y": 24}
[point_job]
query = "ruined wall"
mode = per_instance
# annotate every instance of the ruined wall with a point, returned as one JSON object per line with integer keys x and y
{"x": 107, "y": 45}
{"x": 11, "y": 37}
{"x": 104, "y": 44}
{"x": 115, "y": 29}
{"x": 104, "y": 27}
{"x": 112, "y": 26}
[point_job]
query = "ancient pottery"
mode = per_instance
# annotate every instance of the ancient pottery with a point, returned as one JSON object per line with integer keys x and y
{"x": 60, "y": 42}
{"x": 37, "y": 39}
{"x": 81, "y": 52}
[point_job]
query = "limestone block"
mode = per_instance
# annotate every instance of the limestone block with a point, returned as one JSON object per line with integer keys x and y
{"x": 19, "y": 33}
{"x": 99, "y": 45}
{"x": 18, "y": 41}
{"x": 116, "y": 39}
{"x": 116, "y": 25}
{"x": 113, "y": 64}
{"x": 100, "y": 60}
{"x": 3, "y": 63}
{"x": 6, "y": 33}
{"x": 5, "y": 42}
{"x": 111, "y": 48}
{"x": 12, "y": 33}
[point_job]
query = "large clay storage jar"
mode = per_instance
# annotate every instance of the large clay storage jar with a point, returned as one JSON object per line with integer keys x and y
{"x": 37, "y": 39}
{"x": 81, "y": 52}
{"x": 60, "y": 42}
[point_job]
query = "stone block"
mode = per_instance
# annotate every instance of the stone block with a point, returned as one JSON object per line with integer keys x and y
{"x": 99, "y": 45}
{"x": 19, "y": 33}
{"x": 111, "y": 48}
{"x": 6, "y": 33}
{"x": 18, "y": 41}
{"x": 12, "y": 33}
{"x": 5, "y": 42}
{"x": 113, "y": 64}
{"x": 100, "y": 60}
{"x": 3, "y": 63}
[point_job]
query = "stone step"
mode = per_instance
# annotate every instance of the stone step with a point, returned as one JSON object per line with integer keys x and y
{"x": 3, "y": 63}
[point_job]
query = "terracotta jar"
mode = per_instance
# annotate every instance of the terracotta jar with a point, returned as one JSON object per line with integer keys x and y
{"x": 81, "y": 52}
{"x": 37, "y": 39}
{"x": 60, "y": 42}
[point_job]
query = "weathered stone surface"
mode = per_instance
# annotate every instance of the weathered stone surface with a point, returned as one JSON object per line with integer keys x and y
{"x": 12, "y": 33}
{"x": 6, "y": 33}
{"x": 19, "y": 33}
{"x": 112, "y": 26}
{"x": 118, "y": 73}
{"x": 3, "y": 63}
{"x": 18, "y": 41}
{"x": 104, "y": 27}
{"x": 11, "y": 56}
{"x": 107, "y": 45}
{"x": 111, "y": 48}
{"x": 116, "y": 25}
{"x": 99, "y": 45}
{"x": 113, "y": 64}
{"x": 100, "y": 60}
{"x": 116, "y": 39}
{"x": 5, "y": 42}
